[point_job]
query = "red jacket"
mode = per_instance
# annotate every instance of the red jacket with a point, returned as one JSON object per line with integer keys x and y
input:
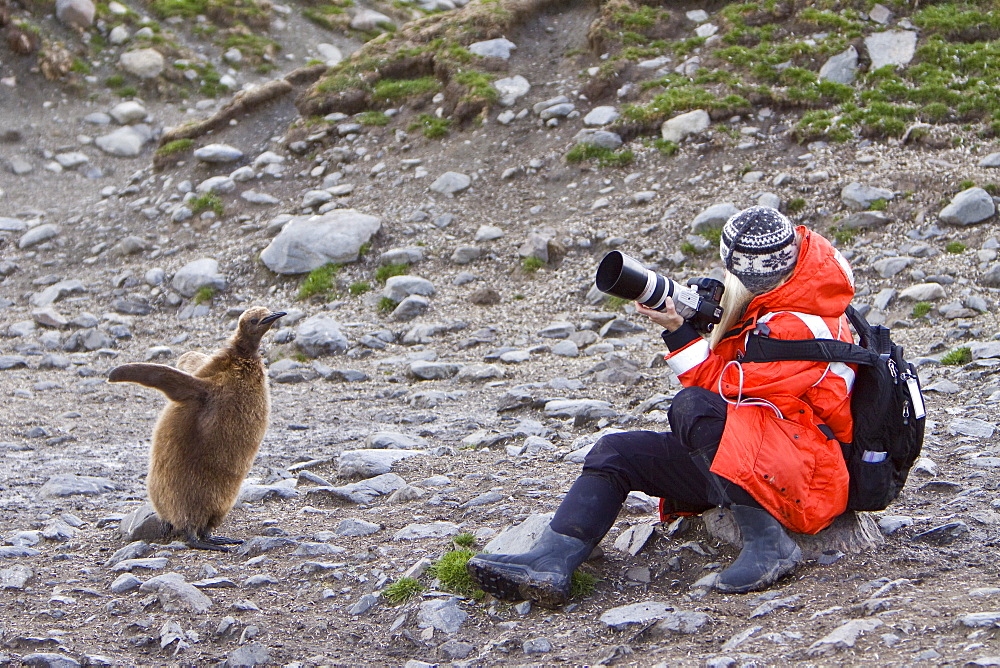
{"x": 772, "y": 445}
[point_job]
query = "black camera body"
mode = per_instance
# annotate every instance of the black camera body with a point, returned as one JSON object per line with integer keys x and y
{"x": 625, "y": 277}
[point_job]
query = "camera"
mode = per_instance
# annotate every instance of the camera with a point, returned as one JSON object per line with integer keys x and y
{"x": 625, "y": 277}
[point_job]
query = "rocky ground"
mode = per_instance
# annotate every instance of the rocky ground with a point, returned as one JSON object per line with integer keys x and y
{"x": 463, "y": 409}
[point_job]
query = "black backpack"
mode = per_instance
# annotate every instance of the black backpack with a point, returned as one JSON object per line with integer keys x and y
{"x": 886, "y": 405}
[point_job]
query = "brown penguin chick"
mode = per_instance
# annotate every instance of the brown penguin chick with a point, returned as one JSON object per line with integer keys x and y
{"x": 207, "y": 436}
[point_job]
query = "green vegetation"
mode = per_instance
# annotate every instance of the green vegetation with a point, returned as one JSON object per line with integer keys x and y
{"x": 206, "y": 202}
{"x": 843, "y": 235}
{"x": 387, "y": 271}
{"x": 127, "y": 91}
{"x": 531, "y": 264}
{"x": 615, "y": 303}
{"x": 359, "y": 288}
{"x": 115, "y": 81}
{"x": 378, "y": 118}
{"x": 204, "y": 294}
{"x": 688, "y": 248}
{"x": 920, "y": 309}
{"x": 450, "y": 570}
{"x": 330, "y": 17}
{"x": 396, "y": 89}
{"x": 957, "y": 357}
{"x": 479, "y": 86}
{"x": 712, "y": 234}
{"x": 175, "y": 146}
{"x": 385, "y": 304}
{"x": 879, "y": 205}
{"x": 581, "y": 584}
{"x": 965, "y": 185}
{"x": 795, "y": 205}
{"x": 666, "y": 147}
{"x": 80, "y": 67}
{"x": 319, "y": 281}
{"x": 605, "y": 157}
{"x": 401, "y": 590}
{"x": 955, "y": 247}
{"x": 431, "y": 126}
{"x": 464, "y": 540}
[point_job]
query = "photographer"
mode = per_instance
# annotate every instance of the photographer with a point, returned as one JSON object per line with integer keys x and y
{"x": 760, "y": 439}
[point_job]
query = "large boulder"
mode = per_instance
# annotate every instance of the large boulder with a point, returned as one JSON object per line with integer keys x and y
{"x": 308, "y": 242}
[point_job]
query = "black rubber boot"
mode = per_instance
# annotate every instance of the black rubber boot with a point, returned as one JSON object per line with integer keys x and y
{"x": 542, "y": 575}
{"x": 768, "y": 553}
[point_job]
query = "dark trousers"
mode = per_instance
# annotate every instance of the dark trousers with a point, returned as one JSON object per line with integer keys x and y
{"x": 672, "y": 465}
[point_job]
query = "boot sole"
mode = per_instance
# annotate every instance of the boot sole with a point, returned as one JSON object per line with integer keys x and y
{"x": 781, "y": 569}
{"x": 513, "y": 582}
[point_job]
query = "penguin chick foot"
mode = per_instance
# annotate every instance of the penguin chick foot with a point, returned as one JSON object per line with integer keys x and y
{"x": 222, "y": 540}
{"x": 209, "y": 543}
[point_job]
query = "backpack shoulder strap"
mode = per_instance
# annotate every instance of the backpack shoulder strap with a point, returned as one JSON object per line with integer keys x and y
{"x": 761, "y": 348}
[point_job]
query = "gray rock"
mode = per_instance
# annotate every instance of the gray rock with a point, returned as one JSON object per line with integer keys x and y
{"x": 330, "y": 54}
{"x": 471, "y": 373}
{"x": 411, "y": 307}
{"x": 682, "y": 621}
{"x": 38, "y": 235}
{"x": 368, "y": 20}
{"x": 451, "y": 183}
{"x": 493, "y": 48}
{"x": 841, "y": 68}
{"x": 859, "y": 197}
{"x": 148, "y": 563}
{"x": 15, "y": 577}
{"x": 320, "y": 335}
{"x": 395, "y": 441}
{"x": 8, "y": 362}
{"x": 566, "y": 348}
{"x": 680, "y": 127}
{"x": 363, "y": 605}
{"x": 571, "y": 408}
{"x": 370, "y": 463}
{"x": 12, "y": 225}
{"x": 251, "y": 654}
{"x": 398, "y": 288}
{"x": 890, "y": 524}
{"x": 125, "y": 142}
{"x": 176, "y": 594}
{"x": 75, "y": 13}
{"x": 407, "y": 255}
{"x": 986, "y": 350}
{"x": 128, "y": 112}
{"x": 216, "y": 184}
{"x": 891, "y": 47}
{"x": 17, "y": 551}
{"x": 980, "y": 619}
{"x": 890, "y": 266}
{"x": 466, "y": 254}
{"x": 72, "y": 159}
{"x": 520, "y": 538}
{"x": 50, "y": 660}
{"x": 125, "y": 583}
{"x": 456, "y": 650}
{"x": 539, "y": 107}
{"x": 992, "y": 160}
{"x": 308, "y": 242}
{"x": 429, "y": 530}
{"x": 634, "y": 539}
{"x": 317, "y": 550}
{"x": 924, "y": 292}
{"x": 557, "y": 111}
{"x": 260, "y": 544}
{"x": 623, "y": 617}
{"x": 194, "y": 276}
{"x": 714, "y": 217}
{"x": 511, "y": 89}
{"x": 432, "y": 370}
{"x": 536, "y": 646}
{"x": 355, "y": 527}
{"x": 843, "y": 637}
{"x": 992, "y": 276}
{"x": 865, "y": 220}
{"x": 441, "y": 614}
{"x": 134, "y": 550}
{"x": 600, "y": 138}
{"x": 972, "y": 205}
{"x": 603, "y": 115}
{"x": 218, "y": 153}
{"x": 67, "y": 484}
{"x": 143, "y": 63}
{"x": 973, "y": 427}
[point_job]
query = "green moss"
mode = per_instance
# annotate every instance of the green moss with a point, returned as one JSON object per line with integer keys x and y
{"x": 643, "y": 17}
{"x": 319, "y": 281}
{"x": 957, "y": 357}
{"x": 465, "y": 540}
{"x": 115, "y": 81}
{"x": 175, "y": 146}
{"x": 531, "y": 264}
{"x": 615, "y": 303}
{"x": 387, "y": 271}
{"x": 712, "y": 234}
{"x": 385, "y": 304}
{"x": 206, "y": 202}
{"x": 185, "y": 8}
{"x": 431, "y": 126}
{"x": 378, "y": 118}
{"x": 204, "y": 294}
{"x": 359, "y": 288}
{"x": 965, "y": 185}
{"x": 920, "y": 309}
{"x": 323, "y": 16}
{"x": 843, "y": 235}
{"x": 80, "y": 67}
{"x": 955, "y": 247}
{"x": 880, "y": 204}
{"x": 795, "y": 205}
{"x": 127, "y": 91}
{"x": 450, "y": 571}
{"x": 605, "y": 157}
{"x": 401, "y": 590}
{"x": 478, "y": 85}
{"x": 666, "y": 147}
{"x": 397, "y": 89}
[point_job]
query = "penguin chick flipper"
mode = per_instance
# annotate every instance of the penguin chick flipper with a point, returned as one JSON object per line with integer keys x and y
{"x": 177, "y": 385}
{"x": 191, "y": 361}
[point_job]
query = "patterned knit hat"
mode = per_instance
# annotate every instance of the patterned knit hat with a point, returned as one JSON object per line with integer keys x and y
{"x": 758, "y": 247}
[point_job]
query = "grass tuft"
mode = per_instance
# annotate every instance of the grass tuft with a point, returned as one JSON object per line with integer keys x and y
{"x": 431, "y": 126}
{"x": 920, "y": 309}
{"x": 319, "y": 281}
{"x": 531, "y": 264}
{"x": 955, "y": 247}
{"x": 582, "y": 584}
{"x": 387, "y": 271}
{"x": 359, "y": 288}
{"x": 206, "y": 202}
{"x": 175, "y": 146}
{"x": 605, "y": 157}
{"x": 465, "y": 540}
{"x": 401, "y": 590}
{"x": 386, "y": 304}
{"x": 204, "y": 294}
{"x": 450, "y": 570}
{"x": 957, "y": 357}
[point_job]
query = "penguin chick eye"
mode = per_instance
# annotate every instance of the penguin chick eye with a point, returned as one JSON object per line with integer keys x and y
{"x": 254, "y": 321}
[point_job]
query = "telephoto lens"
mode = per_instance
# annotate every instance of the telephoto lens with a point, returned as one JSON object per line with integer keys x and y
{"x": 624, "y": 276}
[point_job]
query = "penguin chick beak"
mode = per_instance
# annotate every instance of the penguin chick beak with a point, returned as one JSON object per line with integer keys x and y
{"x": 271, "y": 318}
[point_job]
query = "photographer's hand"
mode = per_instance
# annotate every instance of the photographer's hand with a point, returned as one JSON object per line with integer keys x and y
{"x": 667, "y": 318}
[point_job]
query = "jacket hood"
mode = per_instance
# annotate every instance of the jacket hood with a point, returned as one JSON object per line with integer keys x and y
{"x": 822, "y": 282}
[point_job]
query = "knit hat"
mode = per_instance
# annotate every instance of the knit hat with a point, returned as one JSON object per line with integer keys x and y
{"x": 758, "y": 247}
